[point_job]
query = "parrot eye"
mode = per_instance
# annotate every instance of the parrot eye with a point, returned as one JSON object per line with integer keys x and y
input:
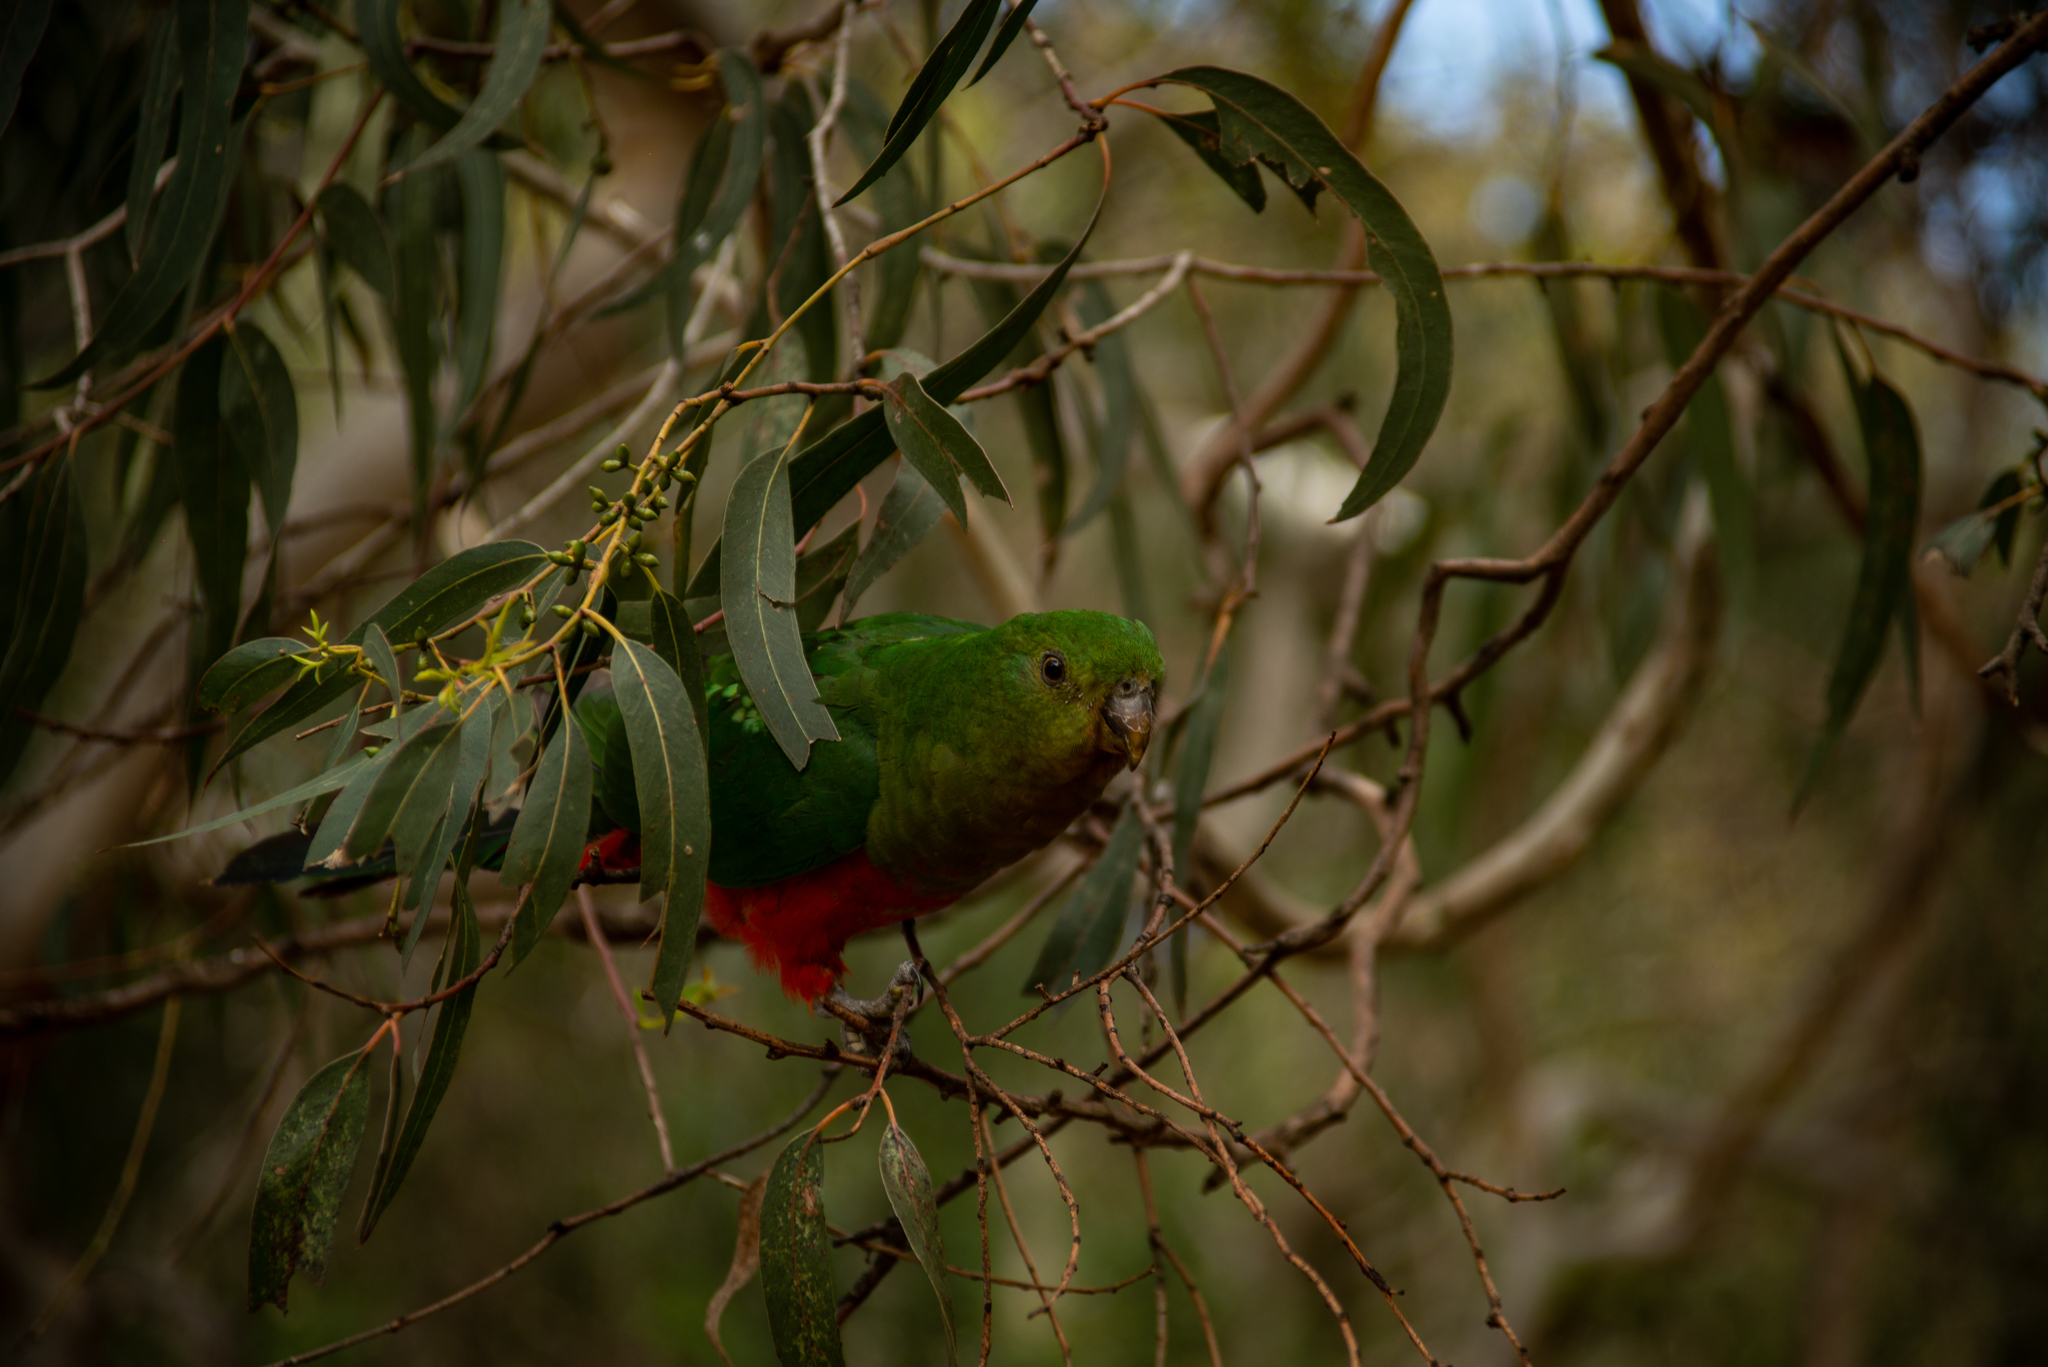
{"x": 1053, "y": 668}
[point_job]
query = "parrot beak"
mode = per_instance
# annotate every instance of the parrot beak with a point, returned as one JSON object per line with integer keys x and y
{"x": 1128, "y": 715}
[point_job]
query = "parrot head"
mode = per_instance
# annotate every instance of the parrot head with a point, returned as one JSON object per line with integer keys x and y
{"x": 1082, "y": 684}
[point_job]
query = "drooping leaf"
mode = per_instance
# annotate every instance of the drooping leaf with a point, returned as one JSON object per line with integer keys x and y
{"x": 909, "y": 1185}
{"x": 898, "y": 203}
{"x": 1710, "y": 433}
{"x": 801, "y": 254}
{"x": 251, "y": 671}
{"x": 326, "y": 850}
{"x": 724, "y": 170}
{"x": 260, "y": 412}
{"x": 1038, "y": 406}
{"x": 1084, "y": 937}
{"x": 674, "y": 638}
{"x": 548, "y": 839}
{"x": 24, "y": 35}
{"x": 935, "y": 442}
{"x": 451, "y": 1022}
{"x": 356, "y": 236}
{"x": 746, "y": 1261}
{"x": 409, "y": 796}
{"x": 934, "y": 82}
{"x": 796, "y": 1259}
{"x": 522, "y": 38}
{"x": 214, "y": 487}
{"x": 826, "y": 471}
{"x": 909, "y": 511}
{"x": 1256, "y": 119}
{"x": 1197, "y": 754}
{"x": 675, "y": 804}
{"x": 212, "y": 36}
{"x": 416, "y": 278}
{"x": 1199, "y": 131}
{"x": 42, "y": 597}
{"x": 305, "y": 1172}
{"x": 159, "y": 92}
{"x": 1020, "y": 10}
{"x": 445, "y": 594}
{"x": 384, "y": 48}
{"x": 760, "y": 619}
{"x": 472, "y": 762}
{"x": 1962, "y": 543}
{"x": 1891, "y": 446}
{"x": 481, "y": 178}
{"x": 338, "y": 777}
{"x": 377, "y": 649}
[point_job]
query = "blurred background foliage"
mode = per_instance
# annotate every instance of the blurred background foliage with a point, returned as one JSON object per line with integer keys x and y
{"x": 1791, "y": 1071}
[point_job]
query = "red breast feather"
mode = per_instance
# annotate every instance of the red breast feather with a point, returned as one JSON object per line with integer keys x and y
{"x": 799, "y": 925}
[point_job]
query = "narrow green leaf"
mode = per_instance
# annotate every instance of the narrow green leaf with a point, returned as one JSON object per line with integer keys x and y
{"x": 251, "y": 671}
{"x": 922, "y": 450}
{"x": 305, "y": 1172}
{"x": 326, "y": 852}
{"x": 339, "y": 777}
{"x": 1129, "y": 556}
{"x": 212, "y": 37}
{"x": 826, "y": 471}
{"x": 1038, "y": 406}
{"x": 916, "y": 421}
{"x": 1710, "y": 433}
{"x": 593, "y": 48}
{"x": 472, "y": 762}
{"x": 522, "y": 38}
{"x": 675, "y": 804}
{"x": 42, "y": 597}
{"x": 445, "y": 594}
{"x": 1962, "y": 543}
{"x": 909, "y": 1185}
{"x": 24, "y": 35}
{"x": 451, "y": 1022}
{"x": 796, "y": 234}
{"x": 1891, "y": 446}
{"x": 214, "y": 487}
{"x": 1199, "y": 131}
{"x": 796, "y": 1259}
{"x": 674, "y": 638}
{"x": 909, "y": 511}
{"x": 159, "y": 93}
{"x": 259, "y": 410}
{"x": 548, "y": 838}
{"x": 1084, "y": 937}
{"x": 934, "y": 82}
{"x": 1006, "y": 35}
{"x": 759, "y": 618}
{"x": 724, "y": 170}
{"x": 377, "y": 647}
{"x": 1256, "y": 119}
{"x": 356, "y": 235}
{"x": 409, "y": 796}
{"x": 416, "y": 307}
{"x": 481, "y": 178}
{"x": 384, "y": 47}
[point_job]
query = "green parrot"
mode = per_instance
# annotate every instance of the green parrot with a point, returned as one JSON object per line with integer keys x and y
{"x": 962, "y": 748}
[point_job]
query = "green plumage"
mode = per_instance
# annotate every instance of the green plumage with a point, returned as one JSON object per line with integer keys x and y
{"x": 959, "y": 751}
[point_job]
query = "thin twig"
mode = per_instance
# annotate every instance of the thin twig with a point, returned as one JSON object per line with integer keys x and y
{"x": 632, "y": 1018}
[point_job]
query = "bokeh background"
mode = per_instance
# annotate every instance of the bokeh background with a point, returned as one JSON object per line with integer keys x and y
{"x": 1790, "y": 1069}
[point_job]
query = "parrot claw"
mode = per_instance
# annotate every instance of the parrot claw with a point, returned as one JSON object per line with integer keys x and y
{"x": 864, "y": 1024}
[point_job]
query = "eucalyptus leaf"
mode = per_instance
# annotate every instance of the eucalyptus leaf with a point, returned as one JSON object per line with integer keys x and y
{"x": 42, "y": 596}
{"x": 481, "y": 179}
{"x": 1084, "y": 937}
{"x": 909, "y": 511}
{"x": 259, "y": 411}
{"x": 212, "y": 38}
{"x": 356, "y": 236}
{"x": 522, "y": 38}
{"x": 304, "y": 1175}
{"x": 796, "y": 1259}
{"x": 935, "y": 80}
{"x": 160, "y": 75}
{"x": 548, "y": 838}
{"x": 675, "y": 804}
{"x": 251, "y": 671}
{"x": 1258, "y": 120}
{"x": 17, "y": 46}
{"x": 759, "y": 602}
{"x": 909, "y": 1184}
{"x": 214, "y": 487}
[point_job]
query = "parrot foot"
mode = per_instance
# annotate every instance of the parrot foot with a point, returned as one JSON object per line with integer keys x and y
{"x": 864, "y": 1024}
